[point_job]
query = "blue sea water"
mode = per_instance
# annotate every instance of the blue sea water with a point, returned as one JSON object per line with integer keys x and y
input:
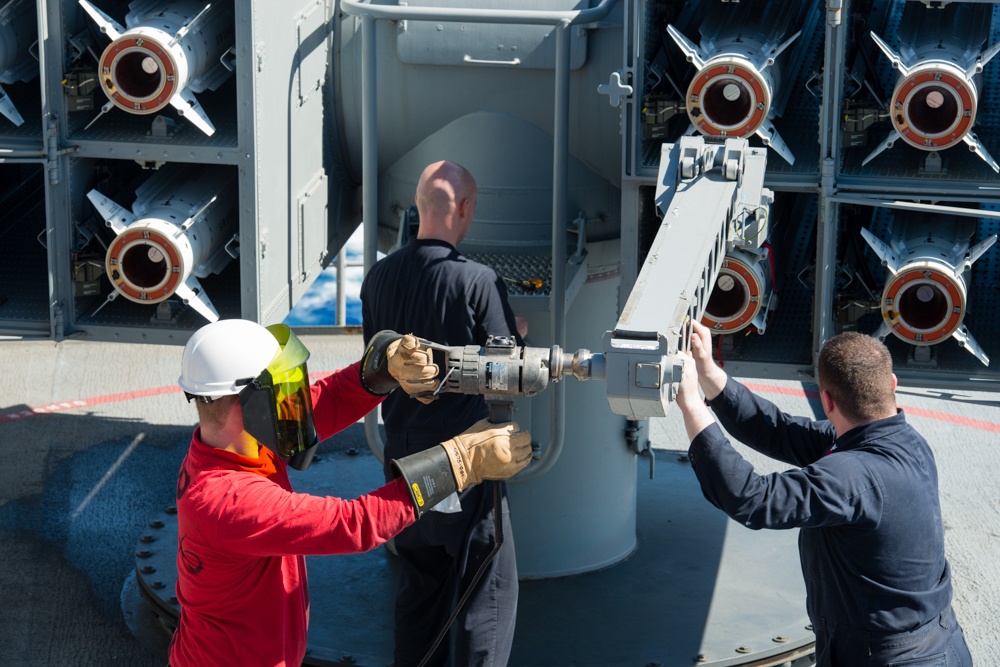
{"x": 318, "y": 306}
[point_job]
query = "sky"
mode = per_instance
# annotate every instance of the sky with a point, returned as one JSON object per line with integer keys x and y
{"x": 318, "y": 306}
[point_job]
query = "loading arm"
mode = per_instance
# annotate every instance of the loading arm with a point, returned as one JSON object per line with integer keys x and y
{"x": 712, "y": 198}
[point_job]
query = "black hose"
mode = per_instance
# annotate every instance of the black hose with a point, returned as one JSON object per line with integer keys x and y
{"x": 498, "y": 531}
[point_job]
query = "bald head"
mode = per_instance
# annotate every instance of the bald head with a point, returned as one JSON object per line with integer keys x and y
{"x": 446, "y": 201}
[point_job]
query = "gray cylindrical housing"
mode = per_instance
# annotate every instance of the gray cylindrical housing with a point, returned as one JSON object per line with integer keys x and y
{"x": 579, "y": 516}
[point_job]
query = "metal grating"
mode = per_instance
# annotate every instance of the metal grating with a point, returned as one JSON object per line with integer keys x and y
{"x": 517, "y": 268}
{"x": 27, "y": 99}
{"x": 24, "y": 282}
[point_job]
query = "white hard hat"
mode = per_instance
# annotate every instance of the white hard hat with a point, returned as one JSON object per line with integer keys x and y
{"x": 223, "y": 352}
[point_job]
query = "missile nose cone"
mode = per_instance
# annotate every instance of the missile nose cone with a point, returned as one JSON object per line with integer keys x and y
{"x": 925, "y": 294}
{"x": 149, "y": 65}
{"x": 731, "y": 92}
{"x": 935, "y": 99}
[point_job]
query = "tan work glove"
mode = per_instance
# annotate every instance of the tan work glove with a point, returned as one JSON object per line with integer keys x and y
{"x": 488, "y": 451}
{"x": 412, "y": 366}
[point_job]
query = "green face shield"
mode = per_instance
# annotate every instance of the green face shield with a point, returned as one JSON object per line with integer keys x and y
{"x": 277, "y": 404}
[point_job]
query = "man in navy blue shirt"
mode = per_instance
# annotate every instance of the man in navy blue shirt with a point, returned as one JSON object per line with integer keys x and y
{"x": 865, "y": 499}
{"x": 431, "y": 290}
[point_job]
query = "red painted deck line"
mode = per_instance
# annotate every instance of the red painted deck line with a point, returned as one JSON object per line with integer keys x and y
{"x": 80, "y": 403}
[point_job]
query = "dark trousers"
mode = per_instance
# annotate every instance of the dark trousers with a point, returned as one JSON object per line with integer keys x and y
{"x": 439, "y": 556}
{"x": 939, "y": 643}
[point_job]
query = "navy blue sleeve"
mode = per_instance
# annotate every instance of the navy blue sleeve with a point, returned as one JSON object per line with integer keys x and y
{"x": 493, "y": 314}
{"x": 837, "y": 490}
{"x": 758, "y": 423}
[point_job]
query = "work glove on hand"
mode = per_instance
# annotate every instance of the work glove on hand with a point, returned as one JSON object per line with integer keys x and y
{"x": 488, "y": 451}
{"x": 412, "y": 365}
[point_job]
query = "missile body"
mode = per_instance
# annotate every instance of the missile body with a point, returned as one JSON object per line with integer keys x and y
{"x": 182, "y": 227}
{"x": 170, "y": 50}
{"x": 736, "y": 90}
{"x": 18, "y": 32}
{"x": 925, "y": 296}
{"x": 940, "y": 56}
{"x": 743, "y": 292}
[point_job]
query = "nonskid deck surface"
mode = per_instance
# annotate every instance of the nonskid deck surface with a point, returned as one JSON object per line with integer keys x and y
{"x": 94, "y": 434}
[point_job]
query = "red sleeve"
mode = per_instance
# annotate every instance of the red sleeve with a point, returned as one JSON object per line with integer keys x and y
{"x": 339, "y": 400}
{"x": 259, "y": 518}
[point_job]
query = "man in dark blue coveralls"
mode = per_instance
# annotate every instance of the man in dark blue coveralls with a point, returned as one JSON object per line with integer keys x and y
{"x": 429, "y": 289}
{"x": 866, "y": 500}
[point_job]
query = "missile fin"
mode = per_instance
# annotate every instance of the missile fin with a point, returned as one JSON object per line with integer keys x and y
{"x": 886, "y": 143}
{"x": 190, "y": 25}
{"x": 12, "y": 9}
{"x": 884, "y": 330}
{"x": 769, "y": 135}
{"x": 983, "y": 58}
{"x": 976, "y": 251}
{"x": 966, "y": 340}
{"x": 771, "y": 57}
{"x": 884, "y": 251}
{"x": 8, "y": 109}
{"x": 117, "y": 217}
{"x": 977, "y": 147}
{"x": 694, "y": 54}
{"x": 189, "y": 107}
{"x": 108, "y": 25}
{"x": 894, "y": 58}
{"x": 193, "y": 295}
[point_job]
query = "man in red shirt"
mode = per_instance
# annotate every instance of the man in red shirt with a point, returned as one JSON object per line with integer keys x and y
{"x": 243, "y": 534}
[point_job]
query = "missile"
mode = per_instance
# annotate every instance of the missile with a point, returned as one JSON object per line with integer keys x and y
{"x": 18, "y": 35}
{"x": 939, "y": 59}
{"x": 170, "y": 50}
{"x": 743, "y": 294}
{"x": 182, "y": 226}
{"x": 733, "y": 92}
{"x": 925, "y": 296}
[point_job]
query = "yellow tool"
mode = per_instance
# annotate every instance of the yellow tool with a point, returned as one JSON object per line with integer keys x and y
{"x": 529, "y": 284}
